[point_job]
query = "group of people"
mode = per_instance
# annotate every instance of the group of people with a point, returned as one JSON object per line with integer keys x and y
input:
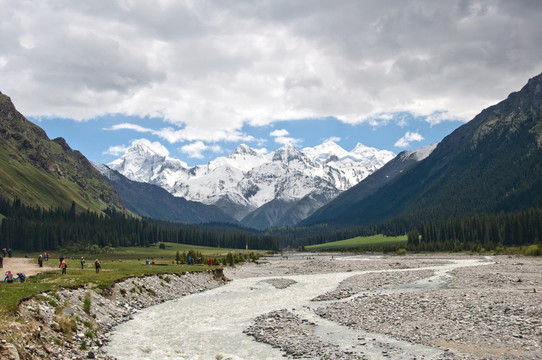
{"x": 7, "y": 253}
{"x": 97, "y": 264}
{"x": 198, "y": 260}
{"x": 63, "y": 265}
{"x": 11, "y": 278}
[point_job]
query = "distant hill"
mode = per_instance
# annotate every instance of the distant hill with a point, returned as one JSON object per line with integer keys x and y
{"x": 491, "y": 164}
{"x": 152, "y": 201}
{"x": 44, "y": 172}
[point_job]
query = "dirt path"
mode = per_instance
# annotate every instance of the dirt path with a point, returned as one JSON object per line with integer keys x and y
{"x": 27, "y": 266}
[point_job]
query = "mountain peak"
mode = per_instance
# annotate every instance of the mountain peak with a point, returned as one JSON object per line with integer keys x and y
{"x": 288, "y": 153}
{"x": 326, "y": 151}
{"x": 244, "y": 149}
{"x": 145, "y": 147}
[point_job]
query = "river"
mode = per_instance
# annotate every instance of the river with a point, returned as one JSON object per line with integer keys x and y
{"x": 210, "y": 325}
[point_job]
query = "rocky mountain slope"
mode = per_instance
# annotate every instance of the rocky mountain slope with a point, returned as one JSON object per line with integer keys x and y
{"x": 44, "y": 172}
{"x": 280, "y": 188}
{"x": 491, "y": 164}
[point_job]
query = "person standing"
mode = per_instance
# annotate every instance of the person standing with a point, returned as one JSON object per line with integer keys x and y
{"x": 63, "y": 266}
{"x": 82, "y": 262}
{"x": 97, "y": 265}
{"x": 10, "y": 252}
{"x": 40, "y": 260}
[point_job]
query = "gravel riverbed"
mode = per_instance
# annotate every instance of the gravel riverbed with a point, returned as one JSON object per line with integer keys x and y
{"x": 480, "y": 308}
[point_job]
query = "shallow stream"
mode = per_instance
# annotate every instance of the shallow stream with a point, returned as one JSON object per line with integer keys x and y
{"x": 210, "y": 325}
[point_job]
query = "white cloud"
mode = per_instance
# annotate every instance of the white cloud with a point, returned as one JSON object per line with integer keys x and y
{"x": 279, "y": 132}
{"x": 208, "y": 67}
{"x": 334, "y": 139}
{"x": 129, "y": 126}
{"x": 281, "y": 137}
{"x": 116, "y": 150}
{"x": 188, "y": 134}
{"x": 408, "y": 138}
{"x": 196, "y": 149}
{"x": 261, "y": 151}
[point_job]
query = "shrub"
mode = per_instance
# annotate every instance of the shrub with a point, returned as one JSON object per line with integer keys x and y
{"x": 65, "y": 324}
{"x": 87, "y": 303}
{"x": 533, "y": 250}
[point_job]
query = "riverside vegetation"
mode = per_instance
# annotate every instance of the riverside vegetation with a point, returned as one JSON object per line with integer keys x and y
{"x": 61, "y": 316}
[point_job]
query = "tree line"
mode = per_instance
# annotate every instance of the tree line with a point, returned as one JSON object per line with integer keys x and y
{"x": 477, "y": 233}
{"x": 27, "y": 228}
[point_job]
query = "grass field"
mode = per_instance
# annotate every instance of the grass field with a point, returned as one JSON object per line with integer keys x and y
{"x": 167, "y": 254}
{"x": 119, "y": 264}
{"x": 361, "y": 243}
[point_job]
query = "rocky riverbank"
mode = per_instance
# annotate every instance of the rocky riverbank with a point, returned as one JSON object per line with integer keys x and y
{"x": 463, "y": 307}
{"x": 75, "y": 323}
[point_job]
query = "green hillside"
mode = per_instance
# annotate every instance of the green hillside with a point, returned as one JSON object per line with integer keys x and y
{"x": 44, "y": 172}
{"x": 491, "y": 164}
{"x": 360, "y": 242}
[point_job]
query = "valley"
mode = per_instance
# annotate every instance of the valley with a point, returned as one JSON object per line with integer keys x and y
{"x": 251, "y": 180}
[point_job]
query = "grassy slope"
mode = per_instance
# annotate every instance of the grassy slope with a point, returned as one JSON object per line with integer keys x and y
{"x": 44, "y": 172}
{"x": 359, "y": 243}
{"x": 39, "y": 188}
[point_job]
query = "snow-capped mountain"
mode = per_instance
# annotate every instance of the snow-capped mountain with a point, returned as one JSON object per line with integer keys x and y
{"x": 288, "y": 182}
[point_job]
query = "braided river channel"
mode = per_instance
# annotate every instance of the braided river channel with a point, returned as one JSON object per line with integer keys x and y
{"x": 209, "y": 325}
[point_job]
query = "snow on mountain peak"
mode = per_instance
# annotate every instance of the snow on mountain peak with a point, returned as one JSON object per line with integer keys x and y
{"x": 146, "y": 161}
{"x": 245, "y": 180}
{"x": 243, "y": 150}
{"x": 289, "y": 153}
{"x": 324, "y": 151}
{"x": 144, "y": 146}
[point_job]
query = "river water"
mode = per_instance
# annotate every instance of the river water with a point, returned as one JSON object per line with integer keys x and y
{"x": 210, "y": 325}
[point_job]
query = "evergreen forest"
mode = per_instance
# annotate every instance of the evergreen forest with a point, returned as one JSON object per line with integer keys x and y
{"x": 480, "y": 233}
{"x": 30, "y": 229}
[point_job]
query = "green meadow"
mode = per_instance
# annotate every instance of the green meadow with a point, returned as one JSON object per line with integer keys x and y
{"x": 117, "y": 264}
{"x": 360, "y": 243}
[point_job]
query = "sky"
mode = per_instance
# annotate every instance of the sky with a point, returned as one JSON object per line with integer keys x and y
{"x": 200, "y": 77}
